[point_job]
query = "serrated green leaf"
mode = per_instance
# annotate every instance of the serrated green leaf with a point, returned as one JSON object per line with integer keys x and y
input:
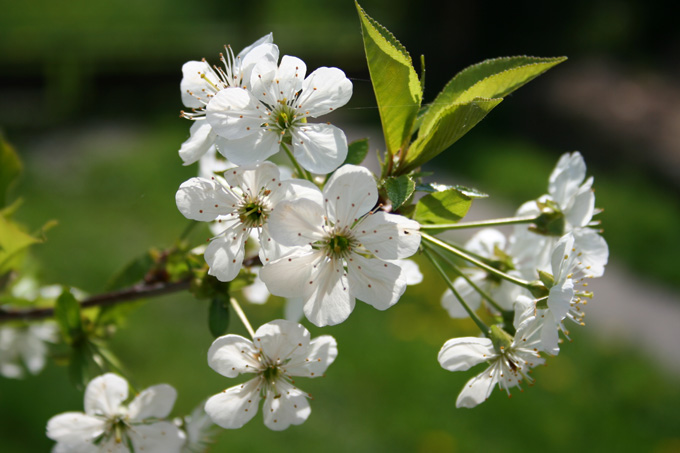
{"x": 451, "y": 124}
{"x": 134, "y": 272}
{"x": 447, "y": 206}
{"x": 356, "y": 152}
{"x": 490, "y": 79}
{"x": 10, "y": 169}
{"x": 395, "y": 82}
{"x": 13, "y": 240}
{"x": 218, "y": 316}
{"x": 67, "y": 315}
{"x": 399, "y": 189}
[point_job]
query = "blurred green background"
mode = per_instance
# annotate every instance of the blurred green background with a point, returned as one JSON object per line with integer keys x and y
{"x": 89, "y": 95}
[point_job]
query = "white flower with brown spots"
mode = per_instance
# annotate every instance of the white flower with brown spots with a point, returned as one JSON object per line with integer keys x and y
{"x": 350, "y": 250}
{"x": 240, "y": 203}
{"x": 273, "y": 111}
{"x": 509, "y": 358}
{"x": 108, "y": 425}
{"x": 280, "y": 350}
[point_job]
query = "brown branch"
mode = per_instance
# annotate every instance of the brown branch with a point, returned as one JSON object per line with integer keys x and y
{"x": 136, "y": 292}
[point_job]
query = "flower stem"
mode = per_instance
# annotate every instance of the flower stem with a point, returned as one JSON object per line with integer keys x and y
{"x": 479, "y": 290}
{"x": 300, "y": 171}
{"x": 242, "y": 316}
{"x": 482, "y": 223}
{"x": 476, "y": 262}
{"x": 483, "y": 327}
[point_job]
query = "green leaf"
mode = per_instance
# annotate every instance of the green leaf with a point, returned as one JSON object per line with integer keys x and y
{"x": 67, "y": 315}
{"x": 356, "y": 152}
{"x": 448, "y": 206}
{"x": 13, "y": 240}
{"x": 467, "y": 191}
{"x": 399, "y": 189}
{"x": 79, "y": 365}
{"x": 10, "y": 169}
{"x": 490, "y": 79}
{"x": 218, "y": 316}
{"x": 395, "y": 82}
{"x": 450, "y": 125}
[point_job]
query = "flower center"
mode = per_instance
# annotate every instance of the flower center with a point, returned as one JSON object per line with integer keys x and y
{"x": 340, "y": 245}
{"x": 271, "y": 374}
{"x": 252, "y": 214}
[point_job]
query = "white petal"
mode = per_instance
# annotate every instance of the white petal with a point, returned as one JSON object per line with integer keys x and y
{"x": 257, "y": 292}
{"x": 105, "y": 394}
{"x": 289, "y": 276}
{"x": 252, "y": 55}
{"x": 225, "y": 254}
{"x": 159, "y": 437}
{"x": 290, "y": 408}
{"x": 567, "y": 177}
{"x": 411, "y": 272}
{"x": 154, "y": 402}
{"x": 199, "y": 142}
{"x": 563, "y": 257}
{"x": 33, "y": 351}
{"x": 349, "y": 194}
{"x": 388, "y": 236}
{"x": 559, "y": 299}
{"x": 477, "y": 390}
{"x": 330, "y": 303}
{"x": 75, "y": 428}
{"x": 319, "y": 148}
{"x": 197, "y": 85}
{"x": 471, "y": 297}
{"x": 580, "y": 210}
{"x": 374, "y": 281}
{"x": 280, "y": 339}
{"x": 233, "y": 114}
{"x": 252, "y": 178}
{"x": 293, "y": 310}
{"x": 231, "y": 355}
{"x": 296, "y": 189}
{"x": 251, "y": 149}
{"x": 313, "y": 360}
{"x": 297, "y": 223}
{"x": 325, "y": 90}
{"x": 460, "y": 354}
{"x": 266, "y": 39}
{"x": 234, "y": 407}
{"x": 485, "y": 241}
{"x": 204, "y": 200}
{"x": 592, "y": 251}
{"x": 290, "y": 75}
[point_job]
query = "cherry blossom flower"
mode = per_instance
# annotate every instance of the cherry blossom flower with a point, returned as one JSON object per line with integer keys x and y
{"x": 108, "y": 425}
{"x": 25, "y": 346}
{"x": 350, "y": 252}
{"x": 274, "y": 112}
{"x": 242, "y": 205}
{"x": 509, "y": 358}
{"x": 571, "y": 200}
{"x": 280, "y": 351}
{"x": 200, "y": 82}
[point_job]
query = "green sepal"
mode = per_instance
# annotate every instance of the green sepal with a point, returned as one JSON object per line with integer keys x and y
{"x": 448, "y": 206}
{"x": 356, "y": 152}
{"x": 67, "y": 315}
{"x": 395, "y": 82}
{"x": 218, "y": 316}
{"x": 547, "y": 278}
{"x": 10, "y": 170}
{"x": 502, "y": 341}
{"x": 538, "y": 289}
{"x": 399, "y": 189}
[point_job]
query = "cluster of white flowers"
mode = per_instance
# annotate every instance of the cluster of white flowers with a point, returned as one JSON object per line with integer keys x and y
{"x": 561, "y": 251}
{"x": 319, "y": 235}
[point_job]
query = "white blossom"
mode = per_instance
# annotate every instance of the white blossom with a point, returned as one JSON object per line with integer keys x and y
{"x": 509, "y": 358}
{"x": 241, "y": 206}
{"x": 25, "y": 346}
{"x": 109, "y": 425}
{"x": 280, "y": 351}
{"x": 255, "y": 123}
{"x": 200, "y": 82}
{"x": 350, "y": 251}
{"x": 571, "y": 196}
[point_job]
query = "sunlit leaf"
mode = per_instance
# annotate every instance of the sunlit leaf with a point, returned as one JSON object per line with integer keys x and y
{"x": 448, "y": 206}
{"x": 356, "y": 152}
{"x": 395, "y": 82}
{"x": 399, "y": 189}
